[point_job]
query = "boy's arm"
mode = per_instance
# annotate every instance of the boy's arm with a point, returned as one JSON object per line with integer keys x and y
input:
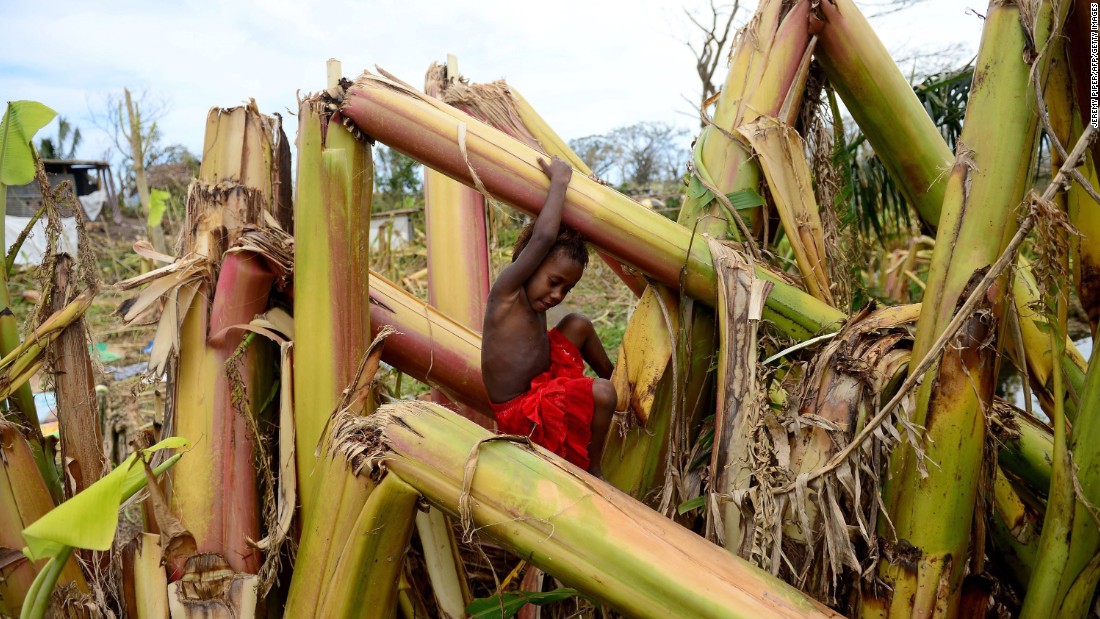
{"x": 543, "y": 234}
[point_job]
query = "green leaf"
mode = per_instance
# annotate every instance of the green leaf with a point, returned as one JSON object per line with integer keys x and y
{"x": 691, "y": 504}
{"x": 490, "y": 608}
{"x": 158, "y": 203}
{"x": 89, "y": 519}
{"x": 696, "y": 188}
{"x": 22, "y": 120}
{"x": 746, "y": 198}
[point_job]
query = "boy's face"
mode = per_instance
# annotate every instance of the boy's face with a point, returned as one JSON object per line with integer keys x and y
{"x": 554, "y": 278}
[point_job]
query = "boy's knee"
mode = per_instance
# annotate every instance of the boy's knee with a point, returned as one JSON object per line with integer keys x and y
{"x": 603, "y": 394}
{"x": 576, "y": 326}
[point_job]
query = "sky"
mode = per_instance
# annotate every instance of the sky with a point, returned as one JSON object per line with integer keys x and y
{"x": 587, "y": 66}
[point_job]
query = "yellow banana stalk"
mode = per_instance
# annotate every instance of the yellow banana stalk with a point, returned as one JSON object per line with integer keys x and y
{"x": 781, "y": 155}
{"x": 444, "y": 564}
{"x": 455, "y": 144}
{"x": 458, "y": 285}
{"x": 385, "y": 527}
{"x": 581, "y": 530}
{"x": 217, "y": 497}
{"x": 1038, "y": 355}
{"x": 671, "y": 397}
{"x": 144, "y": 583}
{"x": 1015, "y": 531}
{"x": 767, "y": 77}
{"x": 645, "y": 350}
{"x": 18, "y": 366}
{"x": 988, "y": 181}
{"x": 332, "y": 226}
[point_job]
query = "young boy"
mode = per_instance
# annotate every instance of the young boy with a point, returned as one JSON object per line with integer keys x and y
{"x": 534, "y": 378}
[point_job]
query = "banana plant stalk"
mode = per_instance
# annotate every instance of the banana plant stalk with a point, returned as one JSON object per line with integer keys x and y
{"x": 385, "y": 527}
{"x": 1080, "y": 572}
{"x": 1014, "y": 532}
{"x": 332, "y": 228}
{"x": 906, "y": 140}
{"x": 455, "y": 226}
{"x": 883, "y": 104}
{"x": 569, "y": 524}
{"x": 223, "y": 513}
{"x": 1038, "y": 355}
{"x": 429, "y": 131}
{"x": 988, "y": 181}
{"x": 77, "y": 406}
{"x": 144, "y": 583}
{"x": 768, "y": 76}
{"x": 428, "y": 345}
{"x": 216, "y": 497}
{"x": 1070, "y": 542}
{"x": 1045, "y": 596}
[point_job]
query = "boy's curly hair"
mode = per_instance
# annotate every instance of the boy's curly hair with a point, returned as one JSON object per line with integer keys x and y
{"x": 569, "y": 243}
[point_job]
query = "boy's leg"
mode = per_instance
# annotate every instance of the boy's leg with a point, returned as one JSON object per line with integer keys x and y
{"x": 603, "y": 410}
{"x": 579, "y": 330}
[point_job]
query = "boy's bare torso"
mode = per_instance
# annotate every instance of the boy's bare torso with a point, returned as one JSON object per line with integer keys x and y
{"x": 515, "y": 348}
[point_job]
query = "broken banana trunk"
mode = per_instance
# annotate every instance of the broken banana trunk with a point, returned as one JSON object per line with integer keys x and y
{"x": 928, "y": 557}
{"x": 581, "y": 530}
{"x": 331, "y": 277}
{"x": 506, "y": 169}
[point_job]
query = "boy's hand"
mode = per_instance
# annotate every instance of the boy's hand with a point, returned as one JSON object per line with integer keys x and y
{"x": 557, "y": 170}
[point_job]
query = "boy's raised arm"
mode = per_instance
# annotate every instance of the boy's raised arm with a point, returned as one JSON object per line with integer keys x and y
{"x": 543, "y": 234}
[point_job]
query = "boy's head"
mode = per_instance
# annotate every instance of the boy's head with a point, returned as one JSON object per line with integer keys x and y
{"x": 560, "y": 270}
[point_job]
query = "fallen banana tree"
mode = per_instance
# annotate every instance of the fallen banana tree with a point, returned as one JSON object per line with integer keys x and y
{"x": 482, "y": 157}
{"x": 570, "y": 524}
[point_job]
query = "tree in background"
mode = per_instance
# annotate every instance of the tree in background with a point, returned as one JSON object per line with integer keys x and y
{"x": 648, "y": 153}
{"x": 132, "y": 130}
{"x": 131, "y": 120}
{"x": 64, "y": 145}
{"x": 643, "y": 160}
{"x": 709, "y": 53}
{"x": 597, "y": 151}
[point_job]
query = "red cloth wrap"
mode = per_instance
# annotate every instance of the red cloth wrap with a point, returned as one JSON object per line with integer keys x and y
{"x": 556, "y": 412}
